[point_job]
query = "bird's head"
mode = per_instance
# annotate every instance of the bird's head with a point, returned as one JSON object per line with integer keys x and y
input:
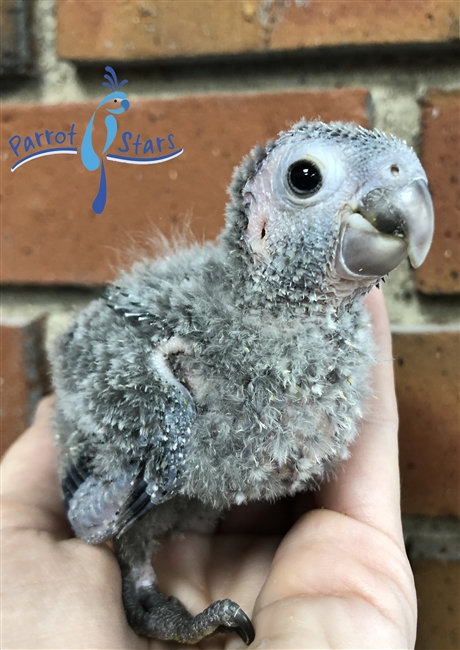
{"x": 115, "y": 103}
{"x": 327, "y": 210}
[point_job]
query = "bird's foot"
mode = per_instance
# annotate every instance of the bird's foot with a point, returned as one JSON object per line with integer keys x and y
{"x": 152, "y": 614}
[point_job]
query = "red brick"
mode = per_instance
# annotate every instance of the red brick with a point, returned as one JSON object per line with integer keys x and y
{"x": 24, "y": 378}
{"x": 322, "y": 23}
{"x": 50, "y": 233}
{"x": 135, "y": 30}
{"x": 438, "y": 589}
{"x": 440, "y": 274}
{"x": 427, "y": 387}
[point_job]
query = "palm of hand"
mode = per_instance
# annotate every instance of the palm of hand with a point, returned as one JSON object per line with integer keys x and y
{"x": 339, "y": 578}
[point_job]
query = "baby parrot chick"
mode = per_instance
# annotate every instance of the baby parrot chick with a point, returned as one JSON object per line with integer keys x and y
{"x": 236, "y": 370}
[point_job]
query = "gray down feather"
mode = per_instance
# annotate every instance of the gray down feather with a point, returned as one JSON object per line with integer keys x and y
{"x": 239, "y": 369}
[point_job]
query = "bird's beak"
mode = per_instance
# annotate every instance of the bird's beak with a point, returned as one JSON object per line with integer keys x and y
{"x": 388, "y": 225}
{"x": 125, "y": 104}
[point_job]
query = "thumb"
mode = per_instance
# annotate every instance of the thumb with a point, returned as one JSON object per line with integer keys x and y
{"x": 30, "y": 492}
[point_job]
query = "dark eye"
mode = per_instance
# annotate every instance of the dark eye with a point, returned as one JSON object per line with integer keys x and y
{"x": 115, "y": 100}
{"x": 304, "y": 178}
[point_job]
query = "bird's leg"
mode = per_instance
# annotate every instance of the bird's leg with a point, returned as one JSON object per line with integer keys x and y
{"x": 152, "y": 614}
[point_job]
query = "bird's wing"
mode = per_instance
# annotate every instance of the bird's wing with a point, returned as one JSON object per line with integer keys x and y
{"x": 131, "y": 307}
{"x": 88, "y": 156}
{"x": 100, "y": 505}
{"x": 111, "y": 126}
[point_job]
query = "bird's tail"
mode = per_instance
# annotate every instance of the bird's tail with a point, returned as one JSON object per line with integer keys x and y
{"x": 99, "y": 201}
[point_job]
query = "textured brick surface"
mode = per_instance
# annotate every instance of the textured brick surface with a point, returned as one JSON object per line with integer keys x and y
{"x": 15, "y": 50}
{"x": 438, "y": 589}
{"x": 133, "y": 30}
{"x": 441, "y": 157}
{"x": 51, "y": 235}
{"x": 427, "y": 386}
{"x": 375, "y": 21}
{"x": 23, "y": 375}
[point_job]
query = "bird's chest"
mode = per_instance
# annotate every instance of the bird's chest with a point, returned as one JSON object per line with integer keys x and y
{"x": 273, "y": 409}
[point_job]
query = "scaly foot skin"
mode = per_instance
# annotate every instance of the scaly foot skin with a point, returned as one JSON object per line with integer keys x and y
{"x": 152, "y": 614}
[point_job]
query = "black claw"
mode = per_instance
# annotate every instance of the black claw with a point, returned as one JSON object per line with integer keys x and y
{"x": 244, "y": 627}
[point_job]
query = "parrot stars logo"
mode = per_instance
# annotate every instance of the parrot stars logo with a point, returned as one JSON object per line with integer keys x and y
{"x": 93, "y": 154}
{"x": 115, "y": 103}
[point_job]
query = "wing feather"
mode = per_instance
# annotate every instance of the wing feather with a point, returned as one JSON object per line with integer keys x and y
{"x": 101, "y": 507}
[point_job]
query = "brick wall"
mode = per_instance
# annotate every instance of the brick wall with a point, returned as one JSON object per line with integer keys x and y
{"x": 221, "y": 76}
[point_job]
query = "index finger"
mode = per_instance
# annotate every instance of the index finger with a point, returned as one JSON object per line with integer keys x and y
{"x": 367, "y": 485}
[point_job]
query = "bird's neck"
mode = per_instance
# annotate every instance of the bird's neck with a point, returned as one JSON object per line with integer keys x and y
{"x": 285, "y": 282}
{"x": 274, "y": 294}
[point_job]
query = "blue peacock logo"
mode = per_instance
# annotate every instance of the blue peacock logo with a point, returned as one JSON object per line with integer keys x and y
{"x": 150, "y": 151}
{"x": 115, "y": 103}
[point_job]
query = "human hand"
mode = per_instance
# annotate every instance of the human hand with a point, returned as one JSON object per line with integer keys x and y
{"x": 339, "y": 578}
